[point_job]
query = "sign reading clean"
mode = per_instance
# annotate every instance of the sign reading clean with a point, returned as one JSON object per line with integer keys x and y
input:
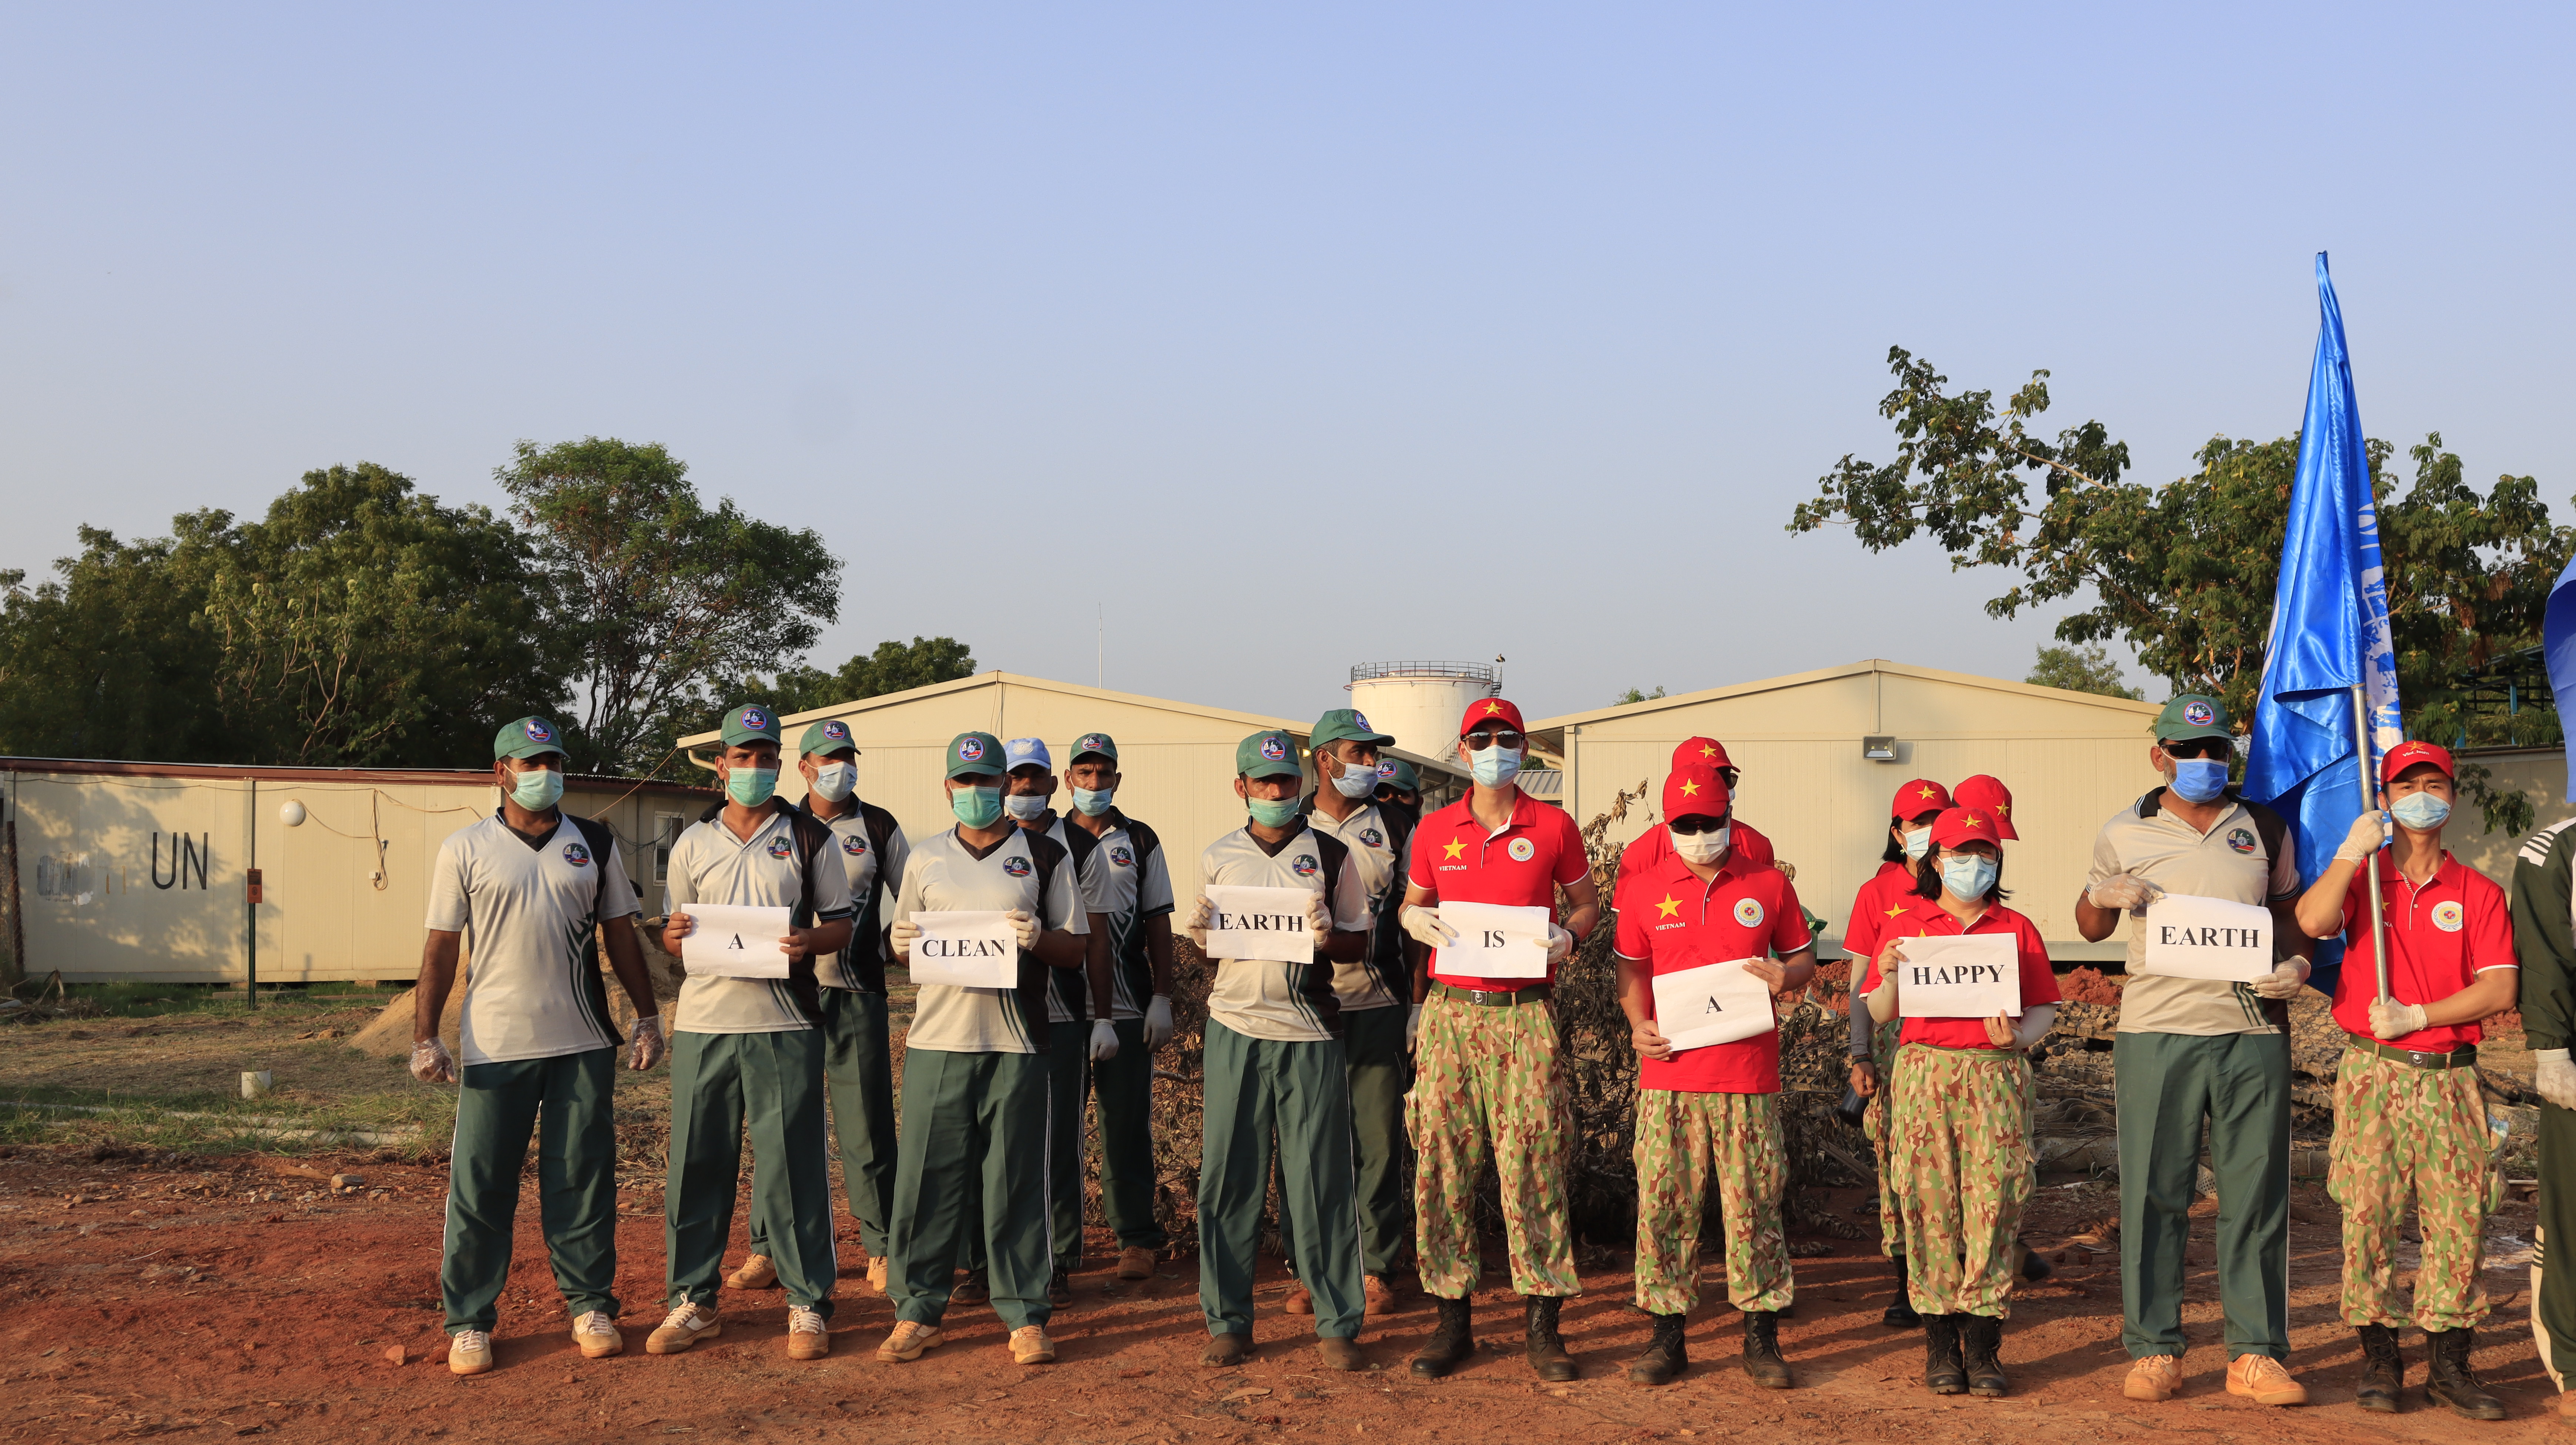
{"x": 966, "y": 948}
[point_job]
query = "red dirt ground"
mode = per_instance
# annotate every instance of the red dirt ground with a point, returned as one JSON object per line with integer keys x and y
{"x": 151, "y": 1308}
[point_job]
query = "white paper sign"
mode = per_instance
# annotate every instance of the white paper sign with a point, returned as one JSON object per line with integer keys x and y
{"x": 1959, "y": 976}
{"x": 2190, "y": 937}
{"x": 1495, "y": 941}
{"x": 966, "y": 948}
{"x": 731, "y": 940}
{"x": 1715, "y": 1003}
{"x": 1262, "y": 923}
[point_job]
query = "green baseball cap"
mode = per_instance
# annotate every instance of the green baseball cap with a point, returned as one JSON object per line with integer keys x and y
{"x": 1267, "y": 755}
{"x": 1398, "y": 773}
{"x": 825, "y": 738}
{"x": 2192, "y": 715}
{"x": 529, "y": 737}
{"x": 976, "y": 753}
{"x": 1101, "y": 743}
{"x": 750, "y": 723}
{"x": 1345, "y": 725}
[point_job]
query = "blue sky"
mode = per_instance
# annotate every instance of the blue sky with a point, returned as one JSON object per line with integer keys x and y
{"x": 1293, "y": 337}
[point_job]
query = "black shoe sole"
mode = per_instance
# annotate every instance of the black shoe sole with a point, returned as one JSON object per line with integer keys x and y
{"x": 2380, "y": 1404}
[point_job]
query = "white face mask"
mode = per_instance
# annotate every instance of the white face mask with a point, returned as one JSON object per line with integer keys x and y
{"x": 836, "y": 781}
{"x": 1702, "y": 848}
{"x": 1918, "y": 841}
{"x": 1026, "y": 807}
{"x": 1355, "y": 781}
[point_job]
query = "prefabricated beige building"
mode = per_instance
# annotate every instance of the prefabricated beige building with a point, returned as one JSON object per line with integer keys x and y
{"x": 1811, "y": 784}
{"x": 1177, "y": 757}
{"x": 142, "y": 870}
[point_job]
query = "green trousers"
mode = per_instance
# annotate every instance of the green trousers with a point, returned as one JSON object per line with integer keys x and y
{"x": 971, "y": 1164}
{"x": 2553, "y": 1285}
{"x": 2167, "y": 1084}
{"x": 1381, "y": 1072}
{"x": 1068, "y": 1079}
{"x": 565, "y": 1101}
{"x": 858, "y": 1069}
{"x": 1301, "y": 1089}
{"x": 775, "y": 1083}
{"x": 1122, "y": 1093}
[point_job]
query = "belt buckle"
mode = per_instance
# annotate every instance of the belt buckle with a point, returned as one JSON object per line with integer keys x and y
{"x": 2423, "y": 1060}
{"x": 1478, "y": 995}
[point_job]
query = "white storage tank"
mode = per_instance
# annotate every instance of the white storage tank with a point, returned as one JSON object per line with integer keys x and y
{"x": 1419, "y": 703}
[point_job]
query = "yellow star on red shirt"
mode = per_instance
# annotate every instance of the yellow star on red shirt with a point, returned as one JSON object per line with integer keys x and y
{"x": 1897, "y": 912}
{"x": 1452, "y": 849}
{"x": 1671, "y": 907}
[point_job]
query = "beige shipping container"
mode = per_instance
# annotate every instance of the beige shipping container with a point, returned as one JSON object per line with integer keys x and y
{"x": 2071, "y": 759}
{"x": 141, "y": 871}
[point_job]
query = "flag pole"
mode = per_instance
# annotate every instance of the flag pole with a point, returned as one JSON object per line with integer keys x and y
{"x": 2370, "y": 864}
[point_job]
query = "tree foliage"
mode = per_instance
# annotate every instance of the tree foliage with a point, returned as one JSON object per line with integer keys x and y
{"x": 2081, "y": 669}
{"x": 893, "y": 667}
{"x": 1637, "y": 695}
{"x": 655, "y": 595}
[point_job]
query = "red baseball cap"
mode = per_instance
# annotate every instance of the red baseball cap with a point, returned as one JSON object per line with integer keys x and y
{"x": 1918, "y": 797}
{"x": 2407, "y": 755}
{"x": 1700, "y": 753}
{"x": 1990, "y": 795}
{"x": 1964, "y": 825}
{"x": 1494, "y": 710}
{"x": 1696, "y": 789}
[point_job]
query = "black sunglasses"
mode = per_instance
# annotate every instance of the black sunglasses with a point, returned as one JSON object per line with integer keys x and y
{"x": 1483, "y": 738}
{"x": 2199, "y": 748}
{"x": 1695, "y": 824}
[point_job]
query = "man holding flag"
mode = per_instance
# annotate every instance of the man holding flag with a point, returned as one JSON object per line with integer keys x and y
{"x": 2544, "y": 940}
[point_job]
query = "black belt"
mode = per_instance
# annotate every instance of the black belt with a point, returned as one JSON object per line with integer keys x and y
{"x": 2465, "y": 1056}
{"x": 1495, "y": 998}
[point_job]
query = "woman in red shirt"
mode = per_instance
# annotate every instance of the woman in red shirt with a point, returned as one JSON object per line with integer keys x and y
{"x": 1873, "y": 1052}
{"x": 1959, "y": 1109}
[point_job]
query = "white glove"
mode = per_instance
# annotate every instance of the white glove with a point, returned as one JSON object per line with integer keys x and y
{"x": 2282, "y": 982}
{"x": 2554, "y": 1078}
{"x": 2122, "y": 892}
{"x": 1426, "y": 927}
{"x": 2390, "y": 1019}
{"x": 650, "y": 1047}
{"x": 2369, "y": 834}
{"x": 1158, "y": 1023}
{"x": 900, "y": 938}
{"x": 1025, "y": 927}
{"x": 1104, "y": 1040}
{"x": 1319, "y": 918}
{"x": 1560, "y": 944}
{"x": 1200, "y": 918}
{"x": 431, "y": 1063}
{"x": 1412, "y": 1027}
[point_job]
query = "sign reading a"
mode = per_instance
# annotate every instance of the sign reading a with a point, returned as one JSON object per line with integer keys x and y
{"x": 1715, "y": 1003}
{"x": 966, "y": 948}
{"x": 2189, "y": 937}
{"x": 1260, "y": 923}
{"x": 1495, "y": 941}
{"x": 1959, "y": 976}
{"x": 731, "y": 940}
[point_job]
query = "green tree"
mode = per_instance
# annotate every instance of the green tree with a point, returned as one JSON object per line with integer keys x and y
{"x": 1634, "y": 695}
{"x": 108, "y": 658}
{"x": 656, "y": 595}
{"x": 893, "y": 667}
{"x": 2081, "y": 669}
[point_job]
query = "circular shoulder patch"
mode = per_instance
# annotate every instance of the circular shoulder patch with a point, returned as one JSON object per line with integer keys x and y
{"x": 2240, "y": 839}
{"x": 579, "y": 857}
{"x": 2448, "y": 915}
{"x": 779, "y": 847}
{"x": 1748, "y": 911}
{"x": 1522, "y": 850}
{"x": 854, "y": 844}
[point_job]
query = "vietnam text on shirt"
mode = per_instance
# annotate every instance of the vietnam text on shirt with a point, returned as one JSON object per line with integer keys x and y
{"x": 1522, "y": 863}
{"x": 2441, "y": 936}
{"x": 1676, "y": 922}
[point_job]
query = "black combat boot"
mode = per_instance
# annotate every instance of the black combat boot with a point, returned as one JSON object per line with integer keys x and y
{"x": 1663, "y": 1360}
{"x": 1981, "y": 1342}
{"x": 1900, "y": 1315}
{"x": 2448, "y": 1381}
{"x": 2383, "y": 1370}
{"x": 1451, "y": 1343}
{"x": 1762, "y": 1360}
{"x": 1943, "y": 1374}
{"x": 1547, "y": 1353}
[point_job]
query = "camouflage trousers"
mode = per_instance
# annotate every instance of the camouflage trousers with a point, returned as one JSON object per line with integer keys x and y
{"x": 1873, "y": 1122}
{"x": 1486, "y": 1084}
{"x": 2400, "y": 1132}
{"x": 1962, "y": 1156}
{"x": 1680, "y": 1139}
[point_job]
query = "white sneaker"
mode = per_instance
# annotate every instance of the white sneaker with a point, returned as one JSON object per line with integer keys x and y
{"x": 469, "y": 1352}
{"x": 808, "y": 1337}
{"x": 680, "y": 1329}
{"x": 597, "y": 1336}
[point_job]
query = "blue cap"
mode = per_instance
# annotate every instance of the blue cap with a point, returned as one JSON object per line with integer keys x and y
{"x": 1022, "y": 752}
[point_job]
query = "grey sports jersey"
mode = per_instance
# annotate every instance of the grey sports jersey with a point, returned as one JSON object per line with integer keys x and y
{"x": 867, "y": 872}
{"x": 1259, "y": 998}
{"x": 526, "y": 916}
{"x": 710, "y": 865}
{"x": 1069, "y": 993}
{"x": 1027, "y": 871}
{"x": 1365, "y": 833}
{"x": 1138, "y": 885}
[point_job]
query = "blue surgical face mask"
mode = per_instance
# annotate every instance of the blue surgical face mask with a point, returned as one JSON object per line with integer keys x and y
{"x": 1496, "y": 765}
{"x": 835, "y": 781}
{"x": 2199, "y": 780}
{"x": 2420, "y": 811}
{"x": 751, "y": 787}
{"x": 537, "y": 789}
{"x": 976, "y": 807}
{"x": 1093, "y": 801}
{"x": 1025, "y": 807}
{"x": 1968, "y": 876}
{"x": 1273, "y": 812}
{"x": 1355, "y": 781}
{"x": 1918, "y": 841}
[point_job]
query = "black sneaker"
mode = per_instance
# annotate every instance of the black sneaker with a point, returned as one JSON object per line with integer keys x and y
{"x": 974, "y": 1289}
{"x": 1059, "y": 1288}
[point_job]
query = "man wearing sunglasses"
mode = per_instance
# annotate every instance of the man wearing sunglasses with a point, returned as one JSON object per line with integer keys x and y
{"x": 2193, "y": 1050}
{"x": 1486, "y": 1079}
{"x": 1398, "y": 784}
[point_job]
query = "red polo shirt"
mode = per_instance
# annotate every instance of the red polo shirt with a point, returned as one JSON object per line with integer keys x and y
{"x": 1926, "y": 918}
{"x": 2440, "y": 938}
{"x": 1675, "y": 922}
{"x": 1655, "y": 845}
{"x": 1520, "y": 866}
{"x": 1879, "y": 901}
